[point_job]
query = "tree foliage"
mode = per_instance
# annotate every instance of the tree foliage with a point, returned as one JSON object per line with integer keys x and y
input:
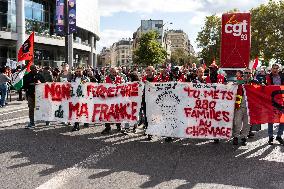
{"x": 267, "y": 34}
{"x": 180, "y": 57}
{"x": 150, "y": 51}
{"x": 209, "y": 39}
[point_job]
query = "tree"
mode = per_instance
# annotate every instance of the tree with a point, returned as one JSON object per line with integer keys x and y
{"x": 209, "y": 39}
{"x": 267, "y": 39}
{"x": 150, "y": 51}
{"x": 179, "y": 57}
{"x": 267, "y": 34}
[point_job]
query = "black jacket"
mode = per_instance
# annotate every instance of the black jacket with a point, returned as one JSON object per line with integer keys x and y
{"x": 29, "y": 83}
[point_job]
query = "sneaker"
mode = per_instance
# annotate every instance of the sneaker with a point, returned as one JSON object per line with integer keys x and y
{"x": 105, "y": 132}
{"x": 76, "y": 127}
{"x": 251, "y": 134}
{"x": 118, "y": 129}
{"x": 149, "y": 137}
{"x": 244, "y": 142}
{"x": 235, "y": 141}
{"x": 86, "y": 125}
{"x": 30, "y": 126}
{"x": 47, "y": 123}
{"x": 270, "y": 141}
{"x": 168, "y": 139}
{"x": 125, "y": 131}
{"x": 280, "y": 140}
{"x": 216, "y": 141}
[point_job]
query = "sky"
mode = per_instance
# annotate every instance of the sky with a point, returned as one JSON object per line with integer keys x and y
{"x": 120, "y": 18}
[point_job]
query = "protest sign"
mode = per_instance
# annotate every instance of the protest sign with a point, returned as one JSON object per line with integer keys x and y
{"x": 188, "y": 110}
{"x": 236, "y": 40}
{"x": 265, "y": 104}
{"x": 89, "y": 102}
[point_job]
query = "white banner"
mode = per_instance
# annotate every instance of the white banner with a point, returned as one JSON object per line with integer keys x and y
{"x": 188, "y": 110}
{"x": 89, "y": 102}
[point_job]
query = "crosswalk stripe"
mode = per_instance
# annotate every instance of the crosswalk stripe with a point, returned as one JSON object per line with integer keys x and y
{"x": 14, "y": 111}
{"x": 10, "y": 122}
{"x": 14, "y": 119}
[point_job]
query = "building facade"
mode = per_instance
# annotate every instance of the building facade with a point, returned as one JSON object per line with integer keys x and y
{"x": 105, "y": 57}
{"x": 39, "y": 16}
{"x": 179, "y": 40}
{"x": 153, "y": 25}
{"x": 121, "y": 53}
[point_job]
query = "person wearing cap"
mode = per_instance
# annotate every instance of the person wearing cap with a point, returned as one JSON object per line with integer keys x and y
{"x": 213, "y": 76}
{"x": 274, "y": 78}
{"x": 30, "y": 80}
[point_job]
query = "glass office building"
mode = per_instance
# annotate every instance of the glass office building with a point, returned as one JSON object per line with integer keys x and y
{"x": 40, "y": 18}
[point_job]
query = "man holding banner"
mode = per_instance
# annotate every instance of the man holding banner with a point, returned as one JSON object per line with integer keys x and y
{"x": 241, "y": 123}
{"x": 80, "y": 79}
{"x": 113, "y": 78}
{"x": 30, "y": 81}
{"x": 274, "y": 78}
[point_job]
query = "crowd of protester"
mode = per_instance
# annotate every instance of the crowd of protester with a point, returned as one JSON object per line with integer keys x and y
{"x": 164, "y": 73}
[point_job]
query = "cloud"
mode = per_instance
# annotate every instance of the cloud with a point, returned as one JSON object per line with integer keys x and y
{"x": 198, "y": 8}
{"x": 109, "y": 7}
{"x": 109, "y": 36}
{"x": 220, "y": 6}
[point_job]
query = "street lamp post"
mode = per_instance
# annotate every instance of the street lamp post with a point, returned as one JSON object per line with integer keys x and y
{"x": 68, "y": 36}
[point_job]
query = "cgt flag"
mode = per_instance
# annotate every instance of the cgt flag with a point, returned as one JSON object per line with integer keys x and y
{"x": 26, "y": 52}
{"x": 236, "y": 40}
{"x": 265, "y": 103}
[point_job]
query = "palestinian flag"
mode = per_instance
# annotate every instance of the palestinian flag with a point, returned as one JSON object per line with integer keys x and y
{"x": 26, "y": 52}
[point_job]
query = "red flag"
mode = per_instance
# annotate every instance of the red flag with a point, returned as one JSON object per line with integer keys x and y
{"x": 29, "y": 65}
{"x": 235, "y": 40}
{"x": 26, "y": 52}
{"x": 255, "y": 63}
{"x": 265, "y": 103}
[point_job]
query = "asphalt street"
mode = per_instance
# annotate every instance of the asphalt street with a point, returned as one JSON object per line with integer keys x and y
{"x": 54, "y": 157}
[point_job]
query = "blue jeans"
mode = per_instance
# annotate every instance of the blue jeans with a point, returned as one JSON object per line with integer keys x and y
{"x": 280, "y": 129}
{"x": 3, "y": 91}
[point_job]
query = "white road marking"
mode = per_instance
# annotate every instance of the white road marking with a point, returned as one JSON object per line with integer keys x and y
{"x": 14, "y": 119}
{"x": 14, "y": 111}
